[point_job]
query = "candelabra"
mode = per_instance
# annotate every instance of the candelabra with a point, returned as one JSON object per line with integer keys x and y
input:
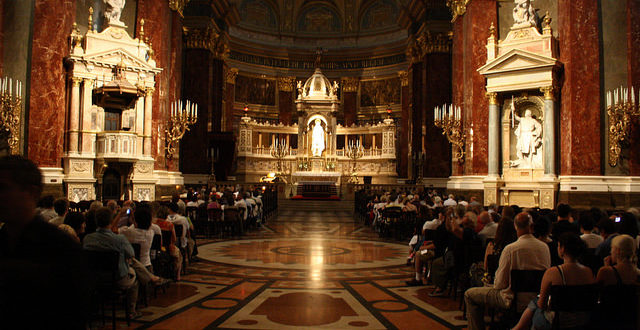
{"x": 180, "y": 119}
{"x": 354, "y": 151}
{"x": 279, "y": 151}
{"x": 621, "y": 110}
{"x": 448, "y": 118}
{"x": 10, "y": 108}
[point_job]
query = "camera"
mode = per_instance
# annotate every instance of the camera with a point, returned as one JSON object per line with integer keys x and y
{"x": 617, "y": 219}
{"x": 128, "y": 211}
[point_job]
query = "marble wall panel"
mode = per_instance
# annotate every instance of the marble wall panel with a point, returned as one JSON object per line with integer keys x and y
{"x": 350, "y": 106}
{"x": 286, "y": 107}
{"x": 47, "y": 96}
{"x": 403, "y": 136}
{"x": 457, "y": 75}
{"x": 438, "y": 81}
{"x": 614, "y": 67}
{"x": 580, "y": 110}
{"x": 633, "y": 76}
{"x": 198, "y": 88}
{"x": 175, "y": 77}
{"x": 158, "y": 28}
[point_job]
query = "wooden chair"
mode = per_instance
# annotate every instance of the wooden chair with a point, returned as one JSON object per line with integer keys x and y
{"x": 179, "y": 229}
{"x": 214, "y": 222}
{"x": 571, "y": 299}
{"x": 104, "y": 266}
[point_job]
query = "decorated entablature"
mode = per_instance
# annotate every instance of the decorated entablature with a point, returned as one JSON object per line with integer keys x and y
{"x": 317, "y": 148}
{"x": 111, "y": 82}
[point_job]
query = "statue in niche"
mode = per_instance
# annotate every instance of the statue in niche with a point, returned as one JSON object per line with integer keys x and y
{"x": 317, "y": 139}
{"x": 334, "y": 89}
{"x": 113, "y": 11}
{"x": 529, "y": 140}
{"x": 524, "y": 15}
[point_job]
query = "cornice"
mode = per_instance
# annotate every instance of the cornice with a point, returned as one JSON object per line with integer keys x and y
{"x": 427, "y": 43}
{"x": 207, "y": 39}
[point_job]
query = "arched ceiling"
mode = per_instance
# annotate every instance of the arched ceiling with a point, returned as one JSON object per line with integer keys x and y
{"x": 319, "y": 18}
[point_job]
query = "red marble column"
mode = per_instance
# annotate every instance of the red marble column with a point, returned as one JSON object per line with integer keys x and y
{"x": 229, "y": 97}
{"x": 285, "y": 106}
{"x": 438, "y": 81}
{"x": 158, "y": 25}
{"x": 480, "y": 14}
{"x": 457, "y": 67}
{"x": 350, "y": 107}
{"x": 403, "y": 149}
{"x": 217, "y": 94}
{"x": 47, "y": 89}
{"x": 175, "y": 79}
{"x": 633, "y": 73}
{"x": 198, "y": 87}
{"x": 580, "y": 111}
{"x": 1, "y": 38}
{"x": 417, "y": 108}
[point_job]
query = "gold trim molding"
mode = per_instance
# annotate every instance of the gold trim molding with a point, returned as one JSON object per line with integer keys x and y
{"x": 458, "y": 8}
{"x": 231, "y": 75}
{"x": 350, "y": 84}
{"x": 178, "y": 6}
{"x": 286, "y": 84}
{"x": 404, "y": 78}
{"x": 208, "y": 39}
{"x": 427, "y": 43}
{"x": 549, "y": 92}
{"x": 493, "y": 98}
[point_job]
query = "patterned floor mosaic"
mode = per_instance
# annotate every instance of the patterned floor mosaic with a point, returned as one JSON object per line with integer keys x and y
{"x": 303, "y": 270}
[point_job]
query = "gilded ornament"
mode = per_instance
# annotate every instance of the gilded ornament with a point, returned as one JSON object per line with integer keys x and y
{"x": 549, "y": 92}
{"x": 458, "y": 8}
{"x": 404, "y": 78}
{"x": 286, "y": 84}
{"x": 178, "y": 6}
{"x": 209, "y": 39}
{"x": 350, "y": 84}
{"x": 230, "y": 75}
{"x": 493, "y": 98}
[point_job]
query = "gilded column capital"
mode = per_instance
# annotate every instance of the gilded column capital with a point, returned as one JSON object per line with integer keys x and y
{"x": 493, "y": 98}
{"x": 458, "y": 8}
{"x": 350, "y": 84}
{"x": 75, "y": 81}
{"x": 549, "y": 92}
{"x": 178, "y": 6}
{"x": 230, "y": 75}
{"x": 286, "y": 84}
{"x": 208, "y": 39}
{"x": 427, "y": 43}
{"x": 404, "y": 78}
{"x": 148, "y": 91}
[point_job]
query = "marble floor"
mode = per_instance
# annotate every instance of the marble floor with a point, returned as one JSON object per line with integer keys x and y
{"x": 307, "y": 268}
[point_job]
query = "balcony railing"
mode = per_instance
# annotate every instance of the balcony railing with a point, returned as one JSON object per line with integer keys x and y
{"x": 120, "y": 145}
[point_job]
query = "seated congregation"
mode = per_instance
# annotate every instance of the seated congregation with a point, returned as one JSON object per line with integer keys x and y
{"x": 530, "y": 268}
{"x": 81, "y": 254}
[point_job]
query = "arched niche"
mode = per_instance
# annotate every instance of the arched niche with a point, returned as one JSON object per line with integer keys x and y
{"x": 378, "y": 15}
{"x": 318, "y": 18}
{"x": 262, "y": 14}
{"x": 535, "y": 104}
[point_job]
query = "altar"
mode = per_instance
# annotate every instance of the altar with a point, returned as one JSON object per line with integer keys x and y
{"x": 317, "y": 150}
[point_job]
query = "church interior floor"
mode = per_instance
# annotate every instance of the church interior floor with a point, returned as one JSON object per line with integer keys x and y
{"x": 306, "y": 268}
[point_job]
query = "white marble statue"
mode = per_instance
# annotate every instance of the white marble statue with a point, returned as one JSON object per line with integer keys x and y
{"x": 524, "y": 15}
{"x": 529, "y": 140}
{"x": 317, "y": 139}
{"x": 334, "y": 89}
{"x": 300, "y": 89}
{"x": 112, "y": 12}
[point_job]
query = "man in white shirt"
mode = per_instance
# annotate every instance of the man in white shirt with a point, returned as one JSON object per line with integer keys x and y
{"x": 527, "y": 253}
{"x": 241, "y": 204}
{"x": 586, "y": 227}
{"x": 177, "y": 219}
{"x": 450, "y": 201}
{"x": 435, "y": 223}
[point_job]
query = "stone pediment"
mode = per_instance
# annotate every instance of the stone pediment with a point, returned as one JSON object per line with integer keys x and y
{"x": 113, "y": 57}
{"x": 517, "y": 60}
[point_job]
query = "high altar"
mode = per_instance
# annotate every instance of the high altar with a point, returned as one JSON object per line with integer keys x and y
{"x": 317, "y": 150}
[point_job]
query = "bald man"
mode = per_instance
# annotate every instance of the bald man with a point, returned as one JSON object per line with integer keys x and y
{"x": 527, "y": 253}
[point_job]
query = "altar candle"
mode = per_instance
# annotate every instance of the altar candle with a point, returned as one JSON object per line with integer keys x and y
{"x": 10, "y": 86}
{"x": 633, "y": 96}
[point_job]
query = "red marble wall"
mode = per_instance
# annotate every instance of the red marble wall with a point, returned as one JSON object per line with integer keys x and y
{"x": 403, "y": 146}
{"x": 48, "y": 80}
{"x": 633, "y": 70}
{"x": 175, "y": 76}
{"x": 1, "y": 37}
{"x": 350, "y": 106}
{"x": 198, "y": 84}
{"x": 578, "y": 33}
{"x": 438, "y": 82}
{"x": 457, "y": 68}
{"x": 158, "y": 24}
{"x": 480, "y": 15}
{"x": 285, "y": 107}
{"x": 229, "y": 97}
{"x": 417, "y": 108}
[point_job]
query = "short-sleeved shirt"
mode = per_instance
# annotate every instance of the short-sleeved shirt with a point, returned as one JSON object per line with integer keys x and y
{"x": 106, "y": 240}
{"x": 177, "y": 219}
{"x": 144, "y": 237}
